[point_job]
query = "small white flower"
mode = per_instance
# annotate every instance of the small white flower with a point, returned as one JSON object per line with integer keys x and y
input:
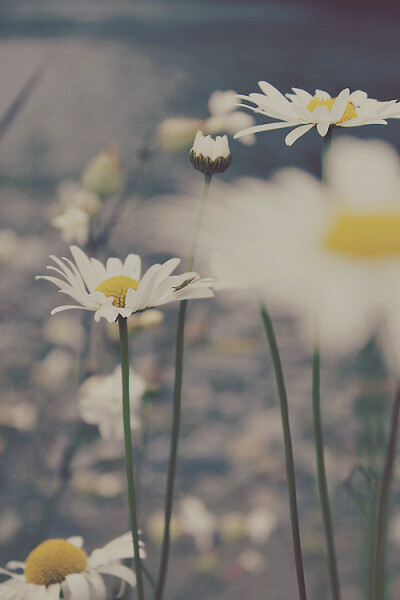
{"x": 118, "y": 288}
{"x": 100, "y": 403}
{"x": 210, "y": 156}
{"x": 198, "y": 522}
{"x": 225, "y": 116}
{"x": 304, "y": 111}
{"x": 60, "y": 568}
{"x": 73, "y": 224}
{"x": 72, "y": 194}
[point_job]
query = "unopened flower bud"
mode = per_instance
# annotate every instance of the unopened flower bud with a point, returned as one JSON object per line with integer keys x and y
{"x": 103, "y": 174}
{"x": 210, "y": 156}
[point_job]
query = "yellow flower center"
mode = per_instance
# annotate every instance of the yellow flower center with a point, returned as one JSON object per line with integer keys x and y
{"x": 117, "y": 287}
{"x": 52, "y": 561}
{"x": 349, "y": 113}
{"x": 366, "y": 235}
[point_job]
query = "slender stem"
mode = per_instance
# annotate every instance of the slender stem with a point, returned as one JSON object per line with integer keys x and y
{"x": 384, "y": 503}
{"x": 290, "y": 472}
{"x": 174, "y": 448}
{"x": 124, "y": 352}
{"x": 149, "y": 577}
{"x": 204, "y": 194}
{"x": 325, "y": 147}
{"x": 372, "y": 546}
{"x": 176, "y": 416}
{"x": 321, "y": 473}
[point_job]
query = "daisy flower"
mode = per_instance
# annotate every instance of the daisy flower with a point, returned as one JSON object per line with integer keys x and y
{"x": 59, "y": 568}
{"x": 118, "y": 288}
{"x": 328, "y": 254}
{"x": 100, "y": 403}
{"x": 304, "y": 111}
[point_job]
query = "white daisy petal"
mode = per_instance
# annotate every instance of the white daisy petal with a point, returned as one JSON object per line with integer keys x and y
{"x": 40, "y": 593}
{"x": 120, "y": 571}
{"x": 53, "y": 591}
{"x": 85, "y": 267}
{"x": 78, "y": 586}
{"x": 114, "y": 267}
{"x": 296, "y": 133}
{"x": 97, "y": 584}
{"x": 76, "y": 540}
{"x": 302, "y": 112}
{"x": 322, "y": 95}
{"x": 132, "y": 266}
{"x": 304, "y": 96}
{"x": 15, "y": 564}
{"x": 321, "y": 114}
{"x": 323, "y": 128}
{"x": 266, "y": 127}
{"x": 16, "y": 591}
{"x": 340, "y": 105}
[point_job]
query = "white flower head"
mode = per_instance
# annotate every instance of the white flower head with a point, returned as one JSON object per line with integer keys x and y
{"x": 210, "y": 155}
{"x": 198, "y": 522}
{"x": 73, "y": 224}
{"x": 329, "y": 254}
{"x": 72, "y": 194}
{"x": 117, "y": 289}
{"x": 59, "y": 568}
{"x": 304, "y": 111}
{"x": 100, "y": 403}
{"x": 225, "y": 116}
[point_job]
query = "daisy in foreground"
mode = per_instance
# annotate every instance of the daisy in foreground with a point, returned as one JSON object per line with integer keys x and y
{"x": 305, "y": 111}
{"x": 59, "y": 568}
{"x": 328, "y": 254}
{"x": 118, "y": 288}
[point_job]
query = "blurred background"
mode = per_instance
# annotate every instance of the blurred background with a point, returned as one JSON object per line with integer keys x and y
{"x": 110, "y": 71}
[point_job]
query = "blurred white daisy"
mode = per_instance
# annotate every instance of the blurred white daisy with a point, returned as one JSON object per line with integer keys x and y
{"x": 118, "y": 288}
{"x": 59, "y": 568}
{"x": 329, "y": 254}
{"x": 304, "y": 111}
{"x": 177, "y": 133}
{"x": 100, "y": 403}
{"x": 73, "y": 225}
{"x": 72, "y": 211}
{"x": 225, "y": 116}
{"x": 198, "y": 522}
{"x": 72, "y": 194}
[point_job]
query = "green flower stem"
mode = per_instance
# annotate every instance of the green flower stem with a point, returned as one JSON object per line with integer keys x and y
{"x": 321, "y": 474}
{"x": 319, "y": 442}
{"x": 204, "y": 194}
{"x": 383, "y": 509}
{"x": 174, "y": 449}
{"x": 124, "y": 352}
{"x": 176, "y": 416}
{"x": 290, "y": 472}
{"x": 325, "y": 147}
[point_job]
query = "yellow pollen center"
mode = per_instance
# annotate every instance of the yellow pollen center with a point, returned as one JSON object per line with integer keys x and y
{"x": 117, "y": 287}
{"x": 366, "y": 235}
{"x": 349, "y": 113}
{"x": 52, "y": 561}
